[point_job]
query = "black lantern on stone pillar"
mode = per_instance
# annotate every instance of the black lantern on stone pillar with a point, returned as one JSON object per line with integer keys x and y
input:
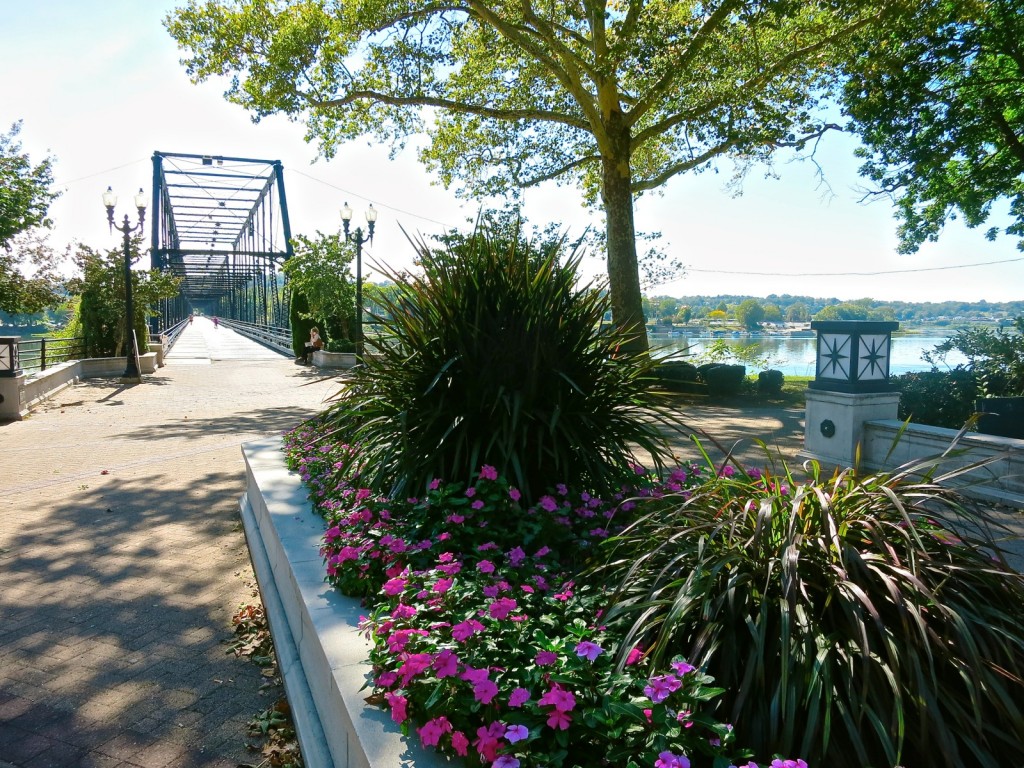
{"x": 10, "y": 364}
{"x": 853, "y": 356}
{"x": 357, "y": 238}
{"x": 131, "y": 369}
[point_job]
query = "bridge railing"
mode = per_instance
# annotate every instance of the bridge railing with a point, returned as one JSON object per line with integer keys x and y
{"x": 37, "y": 354}
{"x": 276, "y": 338}
{"x": 171, "y": 333}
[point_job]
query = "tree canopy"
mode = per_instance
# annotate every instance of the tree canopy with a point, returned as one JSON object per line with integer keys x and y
{"x": 27, "y": 279}
{"x": 939, "y": 104}
{"x": 615, "y": 97}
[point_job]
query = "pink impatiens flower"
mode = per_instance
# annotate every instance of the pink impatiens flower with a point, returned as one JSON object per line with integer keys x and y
{"x": 546, "y": 658}
{"x": 559, "y": 698}
{"x": 502, "y": 607}
{"x": 487, "y": 472}
{"x": 518, "y": 697}
{"x": 394, "y": 586}
{"x": 464, "y": 630}
{"x": 432, "y": 731}
{"x": 682, "y": 668}
{"x": 446, "y": 664}
{"x": 398, "y": 706}
{"x": 548, "y": 503}
{"x": 460, "y": 743}
{"x": 485, "y": 566}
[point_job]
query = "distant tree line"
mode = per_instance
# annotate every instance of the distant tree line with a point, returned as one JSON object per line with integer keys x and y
{"x": 752, "y": 312}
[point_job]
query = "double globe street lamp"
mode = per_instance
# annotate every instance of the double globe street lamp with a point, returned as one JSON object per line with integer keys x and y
{"x": 131, "y": 369}
{"x": 357, "y": 238}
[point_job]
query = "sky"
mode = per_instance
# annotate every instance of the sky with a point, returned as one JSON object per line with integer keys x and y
{"x": 99, "y": 87}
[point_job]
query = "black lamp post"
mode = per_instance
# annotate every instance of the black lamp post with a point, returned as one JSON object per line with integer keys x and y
{"x": 357, "y": 238}
{"x": 131, "y": 369}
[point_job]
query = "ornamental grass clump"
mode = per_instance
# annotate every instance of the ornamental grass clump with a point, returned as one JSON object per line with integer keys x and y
{"x": 856, "y": 621}
{"x": 497, "y": 355}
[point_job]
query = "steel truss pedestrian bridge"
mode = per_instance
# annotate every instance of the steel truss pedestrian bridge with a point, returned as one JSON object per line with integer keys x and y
{"x": 220, "y": 224}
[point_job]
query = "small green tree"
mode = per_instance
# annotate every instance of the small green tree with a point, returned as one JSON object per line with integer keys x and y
{"x": 750, "y": 313}
{"x": 320, "y": 271}
{"x": 99, "y": 290}
{"x": 28, "y": 279}
{"x": 300, "y": 321}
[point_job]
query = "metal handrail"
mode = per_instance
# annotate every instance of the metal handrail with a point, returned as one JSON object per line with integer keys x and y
{"x": 36, "y": 354}
{"x": 271, "y": 336}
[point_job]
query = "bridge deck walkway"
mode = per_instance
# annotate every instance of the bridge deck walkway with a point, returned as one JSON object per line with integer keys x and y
{"x": 122, "y": 559}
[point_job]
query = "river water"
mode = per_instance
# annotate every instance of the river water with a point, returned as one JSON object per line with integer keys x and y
{"x": 794, "y": 355}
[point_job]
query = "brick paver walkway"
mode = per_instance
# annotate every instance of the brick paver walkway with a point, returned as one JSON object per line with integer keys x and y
{"x": 122, "y": 560}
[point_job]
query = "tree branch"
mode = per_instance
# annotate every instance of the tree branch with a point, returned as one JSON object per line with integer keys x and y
{"x": 674, "y": 170}
{"x": 531, "y": 182}
{"x": 455, "y": 106}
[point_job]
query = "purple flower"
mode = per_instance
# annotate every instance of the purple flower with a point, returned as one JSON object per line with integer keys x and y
{"x": 505, "y": 761}
{"x": 681, "y": 668}
{"x": 485, "y": 566}
{"x": 514, "y": 494}
{"x": 548, "y": 503}
{"x": 487, "y": 472}
{"x": 588, "y": 650}
{"x": 464, "y": 630}
{"x": 659, "y": 687}
{"x": 670, "y": 760}
{"x": 516, "y": 733}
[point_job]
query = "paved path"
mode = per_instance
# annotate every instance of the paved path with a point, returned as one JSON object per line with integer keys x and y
{"x": 122, "y": 560}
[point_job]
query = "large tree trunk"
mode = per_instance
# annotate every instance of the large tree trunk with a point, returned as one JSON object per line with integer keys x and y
{"x": 623, "y": 272}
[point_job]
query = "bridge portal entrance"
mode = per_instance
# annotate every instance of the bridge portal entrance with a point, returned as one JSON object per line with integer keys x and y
{"x": 221, "y": 225}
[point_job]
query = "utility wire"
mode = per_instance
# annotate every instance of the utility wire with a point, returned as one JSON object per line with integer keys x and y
{"x": 851, "y": 274}
{"x": 379, "y": 205}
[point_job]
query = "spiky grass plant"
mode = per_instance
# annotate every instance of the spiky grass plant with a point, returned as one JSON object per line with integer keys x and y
{"x": 496, "y": 355}
{"x": 855, "y": 621}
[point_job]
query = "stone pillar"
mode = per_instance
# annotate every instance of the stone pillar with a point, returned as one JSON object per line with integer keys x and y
{"x": 12, "y": 397}
{"x": 851, "y": 386}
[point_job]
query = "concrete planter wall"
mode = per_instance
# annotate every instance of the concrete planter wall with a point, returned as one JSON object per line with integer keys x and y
{"x": 321, "y": 653}
{"x": 322, "y": 359}
{"x": 19, "y": 394}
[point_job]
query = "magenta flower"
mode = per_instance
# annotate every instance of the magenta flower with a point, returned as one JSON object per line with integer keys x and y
{"x": 487, "y": 472}
{"x": 464, "y": 630}
{"x": 432, "y": 731}
{"x": 798, "y": 763}
{"x": 505, "y": 761}
{"x": 634, "y": 657}
{"x": 460, "y": 743}
{"x": 546, "y": 658}
{"x": 488, "y": 742}
{"x": 435, "y": 484}
{"x": 516, "y": 557}
{"x": 559, "y": 720}
{"x": 414, "y": 664}
{"x": 514, "y": 494}
{"x": 516, "y": 733}
{"x": 478, "y": 504}
{"x": 548, "y": 503}
{"x": 394, "y": 586}
{"x": 470, "y": 492}
{"x": 588, "y": 650}
{"x": 659, "y": 687}
{"x": 398, "y": 706}
{"x": 518, "y": 697}
{"x": 485, "y": 566}
{"x": 559, "y": 698}
{"x": 502, "y": 607}
{"x": 446, "y": 664}
{"x": 403, "y": 611}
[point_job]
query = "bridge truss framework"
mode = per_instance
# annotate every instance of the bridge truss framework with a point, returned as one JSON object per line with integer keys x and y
{"x": 220, "y": 224}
